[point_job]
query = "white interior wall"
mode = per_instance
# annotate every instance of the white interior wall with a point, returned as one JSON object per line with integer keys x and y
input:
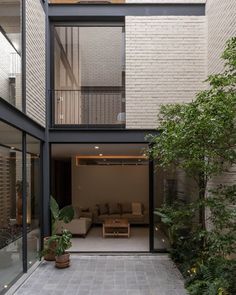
{"x": 92, "y": 185}
{"x": 5, "y": 63}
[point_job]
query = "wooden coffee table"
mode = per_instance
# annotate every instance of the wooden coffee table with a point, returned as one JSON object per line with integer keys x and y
{"x": 116, "y": 228}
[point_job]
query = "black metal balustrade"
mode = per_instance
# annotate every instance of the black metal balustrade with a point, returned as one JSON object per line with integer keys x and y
{"x": 98, "y": 106}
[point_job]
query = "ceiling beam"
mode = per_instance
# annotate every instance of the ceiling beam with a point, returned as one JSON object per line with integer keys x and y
{"x": 77, "y": 11}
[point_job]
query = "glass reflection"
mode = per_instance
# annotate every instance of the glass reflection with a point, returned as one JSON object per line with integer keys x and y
{"x": 33, "y": 198}
{"x": 10, "y": 204}
{"x": 10, "y": 52}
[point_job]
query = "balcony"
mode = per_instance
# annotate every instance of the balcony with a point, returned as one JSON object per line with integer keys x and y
{"x": 91, "y": 107}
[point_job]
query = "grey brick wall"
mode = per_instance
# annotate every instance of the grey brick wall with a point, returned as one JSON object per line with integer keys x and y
{"x": 35, "y": 61}
{"x": 165, "y": 63}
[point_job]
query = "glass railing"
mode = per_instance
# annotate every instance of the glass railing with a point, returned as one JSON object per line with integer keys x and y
{"x": 96, "y": 106}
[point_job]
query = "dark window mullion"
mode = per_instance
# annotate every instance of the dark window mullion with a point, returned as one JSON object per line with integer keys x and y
{"x": 24, "y": 202}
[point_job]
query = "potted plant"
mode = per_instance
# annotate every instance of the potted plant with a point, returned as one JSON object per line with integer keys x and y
{"x": 66, "y": 214}
{"x": 62, "y": 243}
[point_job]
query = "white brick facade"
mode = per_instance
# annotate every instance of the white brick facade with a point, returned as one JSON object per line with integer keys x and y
{"x": 221, "y": 26}
{"x": 35, "y": 61}
{"x": 165, "y": 63}
{"x": 221, "y": 16}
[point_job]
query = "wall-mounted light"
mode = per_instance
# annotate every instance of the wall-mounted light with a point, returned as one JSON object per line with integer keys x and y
{"x": 96, "y": 147}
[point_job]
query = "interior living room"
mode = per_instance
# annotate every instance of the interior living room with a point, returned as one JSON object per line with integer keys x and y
{"x": 108, "y": 187}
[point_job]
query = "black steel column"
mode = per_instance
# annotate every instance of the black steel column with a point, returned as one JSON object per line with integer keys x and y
{"x": 151, "y": 209}
{"x": 24, "y": 202}
{"x": 45, "y": 145}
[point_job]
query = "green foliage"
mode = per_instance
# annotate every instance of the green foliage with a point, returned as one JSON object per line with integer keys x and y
{"x": 216, "y": 277}
{"x": 66, "y": 214}
{"x": 62, "y": 243}
{"x": 177, "y": 220}
{"x": 202, "y": 255}
{"x": 200, "y": 138}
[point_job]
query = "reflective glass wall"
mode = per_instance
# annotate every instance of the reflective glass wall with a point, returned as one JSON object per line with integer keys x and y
{"x": 13, "y": 230}
{"x": 10, "y": 52}
{"x": 10, "y": 204}
{"x": 169, "y": 186}
{"x": 33, "y": 198}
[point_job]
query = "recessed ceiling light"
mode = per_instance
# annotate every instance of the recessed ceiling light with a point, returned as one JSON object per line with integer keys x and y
{"x": 100, "y": 155}
{"x": 96, "y": 147}
{"x": 5, "y": 286}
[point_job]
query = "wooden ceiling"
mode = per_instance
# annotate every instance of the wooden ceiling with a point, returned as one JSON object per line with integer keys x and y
{"x": 85, "y": 1}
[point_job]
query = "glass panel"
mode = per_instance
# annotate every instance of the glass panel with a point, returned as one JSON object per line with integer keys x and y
{"x": 89, "y": 76}
{"x": 164, "y": 188}
{"x": 169, "y": 186}
{"x": 10, "y": 204}
{"x": 33, "y": 198}
{"x": 10, "y": 52}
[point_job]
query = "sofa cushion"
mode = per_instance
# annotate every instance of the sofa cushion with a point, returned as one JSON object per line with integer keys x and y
{"x": 126, "y": 208}
{"x": 114, "y": 208}
{"x": 103, "y": 208}
{"x": 136, "y": 208}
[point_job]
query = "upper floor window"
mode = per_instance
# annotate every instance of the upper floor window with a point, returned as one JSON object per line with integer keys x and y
{"x": 10, "y": 52}
{"x": 89, "y": 65}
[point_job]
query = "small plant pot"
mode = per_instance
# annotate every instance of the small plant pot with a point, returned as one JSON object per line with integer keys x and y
{"x": 63, "y": 261}
{"x": 50, "y": 256}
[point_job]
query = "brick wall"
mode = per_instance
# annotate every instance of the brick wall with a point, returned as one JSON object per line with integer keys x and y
{"x": 35, "y": 61}
{"x": 165, "y": 63}
{"x": 221, "y": 17}
{"x": 221, "y": 26}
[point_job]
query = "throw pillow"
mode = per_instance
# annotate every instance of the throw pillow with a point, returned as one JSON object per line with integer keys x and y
{"x": 103, "y": 208}
{"x": 136, "y": 208}
{"x": 114, "y": 208}
{"x": 126, "y": 208}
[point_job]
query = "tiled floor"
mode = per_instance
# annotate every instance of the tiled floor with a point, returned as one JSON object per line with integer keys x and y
{"x": 107, "y": 275}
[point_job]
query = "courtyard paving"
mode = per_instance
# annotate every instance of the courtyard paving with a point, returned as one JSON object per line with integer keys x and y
{"x": 107, "y": 275}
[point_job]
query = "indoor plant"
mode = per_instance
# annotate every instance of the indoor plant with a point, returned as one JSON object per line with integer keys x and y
{"x": 62, "y": 242}
{"x": 66, "y": 214}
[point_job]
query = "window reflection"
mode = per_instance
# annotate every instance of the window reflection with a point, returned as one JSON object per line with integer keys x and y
{"x": 10, "y": 52}
{"x": 33, "y": 198}
{"x": 10, "y": 204}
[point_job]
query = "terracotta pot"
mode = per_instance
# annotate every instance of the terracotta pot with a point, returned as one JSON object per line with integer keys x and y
{"x": 63, "y": 260}
{"x": 50, "y": 256}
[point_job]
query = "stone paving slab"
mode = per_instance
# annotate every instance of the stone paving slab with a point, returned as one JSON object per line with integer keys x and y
{"x": 107, "y": 275}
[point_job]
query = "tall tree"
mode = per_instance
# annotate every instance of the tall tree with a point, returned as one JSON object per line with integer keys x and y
{"x": 200, "y": 136}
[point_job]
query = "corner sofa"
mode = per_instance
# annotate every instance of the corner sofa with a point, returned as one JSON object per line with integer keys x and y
{"x": 121, "y": 210}
{"x": 80, "y": 225}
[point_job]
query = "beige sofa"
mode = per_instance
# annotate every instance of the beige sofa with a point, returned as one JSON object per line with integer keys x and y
{"x": 116, "y": 210}
{"x": 78, "y": 226}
